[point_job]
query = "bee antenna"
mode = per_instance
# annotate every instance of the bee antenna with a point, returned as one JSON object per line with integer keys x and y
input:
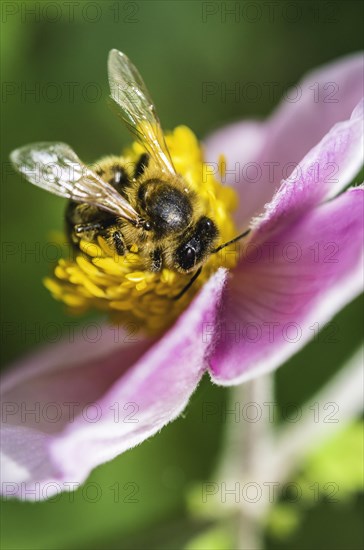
{"x": 198, "y": 272}
{"x": 241, "y": 236}
{"x": 188, "y": 285}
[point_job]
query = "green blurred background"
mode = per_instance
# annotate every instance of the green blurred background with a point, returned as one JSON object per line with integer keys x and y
{"x": 176, "y": 47}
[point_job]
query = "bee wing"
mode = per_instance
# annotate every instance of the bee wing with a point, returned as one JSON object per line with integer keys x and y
{"x": 137, "y": 109}
{"x": 56, "y": 168}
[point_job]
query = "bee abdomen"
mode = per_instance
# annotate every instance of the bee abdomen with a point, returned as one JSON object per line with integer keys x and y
{"x": 120, "y": 179}
{"x": 141, "y": 165}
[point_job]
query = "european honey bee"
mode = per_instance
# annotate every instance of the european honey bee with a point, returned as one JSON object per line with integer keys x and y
{"x": 151, "y": 207}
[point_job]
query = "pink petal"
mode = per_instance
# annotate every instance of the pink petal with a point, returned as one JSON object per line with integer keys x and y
{"x": 267, "y": 153}
{"x": 325, "y": 171}
{"x": 288, "y": 286}
{"x": 122, "y": 398}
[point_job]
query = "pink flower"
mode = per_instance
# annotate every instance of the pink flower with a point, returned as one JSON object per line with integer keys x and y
{"x": 303, "y": 263}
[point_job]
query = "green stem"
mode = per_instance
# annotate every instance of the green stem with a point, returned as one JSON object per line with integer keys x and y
{"x": 253, "y": 455}
{"x": 247, "y": 443}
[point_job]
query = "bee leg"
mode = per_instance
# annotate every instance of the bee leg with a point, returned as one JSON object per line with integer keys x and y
{"x": 157, "y": 260}
{"x": 141, "y": 165}
{"x": 119, "y": 243}
{"x": 188, "y": 285}
{"x": 85, "y": 227}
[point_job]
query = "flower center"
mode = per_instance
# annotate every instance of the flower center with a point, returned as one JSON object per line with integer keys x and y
{"x": 96, "y": 277}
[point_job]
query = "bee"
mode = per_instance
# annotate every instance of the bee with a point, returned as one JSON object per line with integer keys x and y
{"x": 151, "y": 206}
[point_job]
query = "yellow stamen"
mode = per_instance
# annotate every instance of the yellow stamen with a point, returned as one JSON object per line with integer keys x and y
{"x": 98, "y": 278}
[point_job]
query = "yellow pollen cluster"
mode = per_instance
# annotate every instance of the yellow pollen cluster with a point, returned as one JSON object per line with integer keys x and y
{"x": 98, "y": 278}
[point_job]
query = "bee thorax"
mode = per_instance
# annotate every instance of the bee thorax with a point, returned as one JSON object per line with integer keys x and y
{"x": 167, "y": 207}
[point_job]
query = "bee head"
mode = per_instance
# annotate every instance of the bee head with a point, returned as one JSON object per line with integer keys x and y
{"x": 197, "y": 246}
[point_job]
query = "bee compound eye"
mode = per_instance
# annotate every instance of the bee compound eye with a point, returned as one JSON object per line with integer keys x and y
{"x": 186, "y": 257}
{"x": 207, "y": 225}
{"x": 147, "y": 226}
{"x": 189, "y": 257}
